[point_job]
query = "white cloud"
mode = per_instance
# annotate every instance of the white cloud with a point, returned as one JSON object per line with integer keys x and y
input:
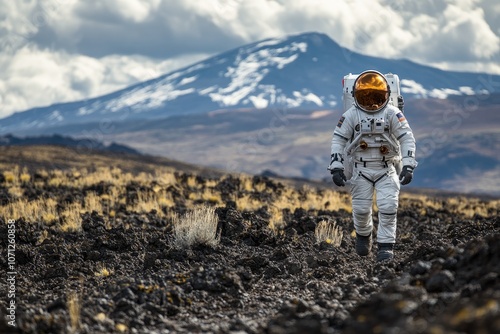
{"x": 61, "y": 50}
{"x": 482, "y": 67}
{"x": 460, "y": 34}
{"x": 35, "y": 77}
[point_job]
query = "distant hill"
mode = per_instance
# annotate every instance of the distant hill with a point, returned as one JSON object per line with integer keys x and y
{"x": 64, "y": 158}
{"x": 80, "y": 144}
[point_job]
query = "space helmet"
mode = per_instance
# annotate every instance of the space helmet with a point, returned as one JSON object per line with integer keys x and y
{"x": 371, "y": 91}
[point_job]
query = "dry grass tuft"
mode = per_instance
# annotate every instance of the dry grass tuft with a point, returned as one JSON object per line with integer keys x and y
{"x": 198, "y": 226}
{"x": 328, "y": 232}
{"x": 93, "y": 203}
{"x": 102, "y": 271}
{"x": 74, "y": 308}
{"x": 276, "y": 222}
{"x": 121, "y": 328}
{"x": 248, "y": 203}
{"x": 148, "y": 201}
{"x": 33, "y": 211}
{"x": 25, "y": 176}
{"x": 16, "y": 192}
{"x": 10, "y": 177}
{"x": 72, "y": 218}
{"x": 43, "y": 236}
{"x": 208, "y": 195}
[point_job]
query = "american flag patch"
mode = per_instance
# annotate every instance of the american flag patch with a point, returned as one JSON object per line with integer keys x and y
{"x": 401, "y": 117}
{"x": 341, "y": 121}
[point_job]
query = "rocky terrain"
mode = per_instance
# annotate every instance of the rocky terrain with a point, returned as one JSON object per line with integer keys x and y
{"x": 115, "y": 267}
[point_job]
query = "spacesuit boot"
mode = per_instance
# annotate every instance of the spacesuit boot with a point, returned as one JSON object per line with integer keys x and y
{"x": 363, "y": 244}
{"x": 385, "y": 252}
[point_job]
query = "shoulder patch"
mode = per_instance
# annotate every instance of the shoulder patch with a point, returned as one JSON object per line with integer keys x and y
{"x": 401, "y": 117}
{"x": 341, "y": 121}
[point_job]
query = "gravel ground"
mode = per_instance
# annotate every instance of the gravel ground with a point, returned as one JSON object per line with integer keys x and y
{"x": 129, "y": 278}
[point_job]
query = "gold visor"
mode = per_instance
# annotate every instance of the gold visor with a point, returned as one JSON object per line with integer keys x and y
{"x": 371, "y": 91}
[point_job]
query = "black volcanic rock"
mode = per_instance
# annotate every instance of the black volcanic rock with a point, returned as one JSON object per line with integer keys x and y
{"x": 129, "y": 276}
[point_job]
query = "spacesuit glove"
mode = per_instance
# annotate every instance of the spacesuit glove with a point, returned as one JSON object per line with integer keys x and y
{"x": 338, "y": 177}
{"x": 406, "y": 175}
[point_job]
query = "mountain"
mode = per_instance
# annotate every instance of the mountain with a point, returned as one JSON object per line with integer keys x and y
{"x": 296, "y": 72}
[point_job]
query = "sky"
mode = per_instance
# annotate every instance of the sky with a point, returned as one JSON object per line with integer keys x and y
{"x": 55, "y": 51}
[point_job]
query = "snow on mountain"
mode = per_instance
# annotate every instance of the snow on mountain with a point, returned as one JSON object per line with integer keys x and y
{"x": 301, "y": 71}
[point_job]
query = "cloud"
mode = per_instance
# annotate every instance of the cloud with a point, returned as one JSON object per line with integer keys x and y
{"x": 61, "y": 50}
{"x": 460, "y": 34}
{"x": 34, "y": 77}
{"x": 432, "y": 30}
{"x": 155, "y": 28}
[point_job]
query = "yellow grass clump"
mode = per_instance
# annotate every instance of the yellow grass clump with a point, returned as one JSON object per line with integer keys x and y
{"x": 25, "y": 176}
{"x": 276, "y": 222}
{"x": 328, "y": 232}
{"x": 198, "y": 226}
{"x": 311, "y": 199}
{"x": 102, "y": 271}
{"x": 41, "y": 210}
{"x": 121, "y": 328}
{"x": 191, "y": 182}
{"x": 72, "y": 221}
{"x": 247, "y": 202}
{"x": 149, "y": 201}
{"x": 208, "y": 195}
{"x": 10, "y": 177}
{"x": 74, "y": 309}
{"x": 16, "y": 191}
{"x": 164, "y": 176}
{"x": 93, "y": 203}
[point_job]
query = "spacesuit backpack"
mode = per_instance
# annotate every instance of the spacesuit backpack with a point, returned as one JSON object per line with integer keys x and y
{"x": 373, "y": 127}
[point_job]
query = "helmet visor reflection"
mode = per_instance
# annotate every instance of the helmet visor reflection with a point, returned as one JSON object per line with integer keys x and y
{"x": 371, "y": 80}
{"x": 371, "y": 99}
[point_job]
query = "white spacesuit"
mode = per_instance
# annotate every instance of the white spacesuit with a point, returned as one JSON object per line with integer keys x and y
{"x": 376, "y": 139}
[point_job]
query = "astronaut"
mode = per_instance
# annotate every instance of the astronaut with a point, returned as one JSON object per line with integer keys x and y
{"x": 376, "y": 139}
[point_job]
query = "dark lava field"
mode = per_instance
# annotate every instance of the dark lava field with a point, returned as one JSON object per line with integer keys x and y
{"x": 120, "y": 272}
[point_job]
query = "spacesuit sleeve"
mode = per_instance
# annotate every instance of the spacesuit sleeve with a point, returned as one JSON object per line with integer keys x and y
{"x": 341, "y": 135}
{"x": 403, "y": 133}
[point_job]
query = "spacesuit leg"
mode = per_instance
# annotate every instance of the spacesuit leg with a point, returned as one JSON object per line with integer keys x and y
{"x": 362, "y": 201}
{"x": 387, "y": 202}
